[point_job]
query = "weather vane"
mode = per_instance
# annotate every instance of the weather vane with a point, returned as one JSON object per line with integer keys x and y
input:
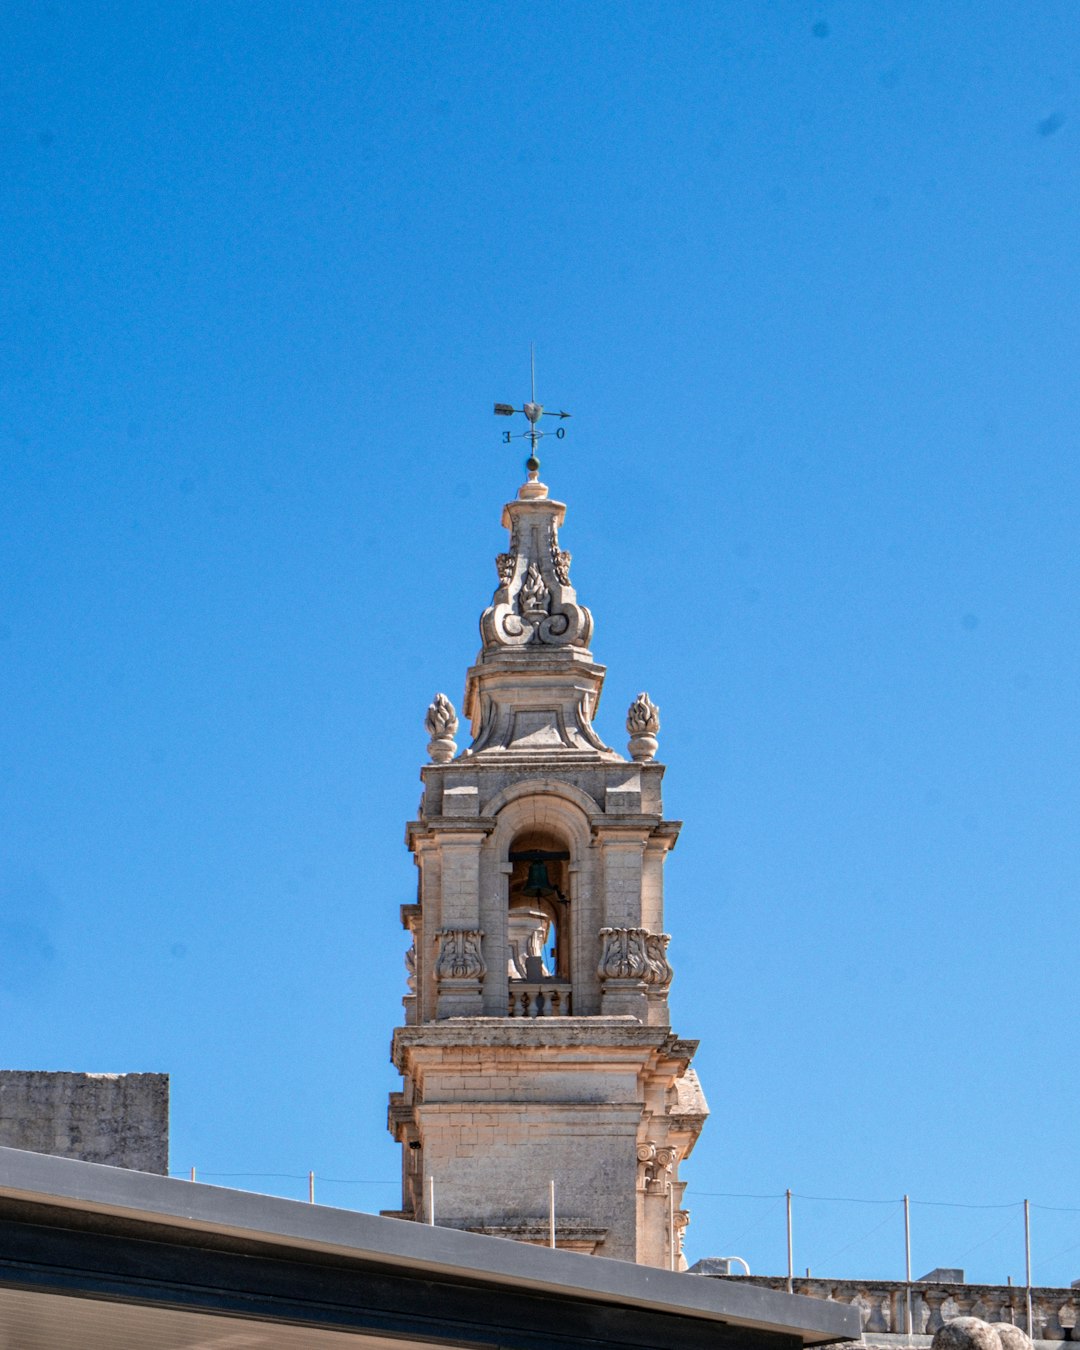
{"x": 533, "y": 411}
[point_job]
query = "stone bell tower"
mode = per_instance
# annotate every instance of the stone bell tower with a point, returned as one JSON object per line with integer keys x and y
{"x": 537, "y": 1045}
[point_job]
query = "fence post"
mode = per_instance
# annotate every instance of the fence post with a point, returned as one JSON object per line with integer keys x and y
{"x": 790, "y": 1260}
{"x": 1027, "y": 1263}
{"x": 908, "y": 1323}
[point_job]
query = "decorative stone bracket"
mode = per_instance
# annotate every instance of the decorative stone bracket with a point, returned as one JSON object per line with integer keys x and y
{"x": 635, "y": 954}
{"x": 460, "y": 956}
{"x": 655, "y": 1164}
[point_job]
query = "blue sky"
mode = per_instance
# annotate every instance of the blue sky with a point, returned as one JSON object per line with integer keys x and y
{"x": 806, "y": 275}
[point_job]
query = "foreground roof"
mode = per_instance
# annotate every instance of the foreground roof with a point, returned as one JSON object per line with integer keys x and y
{"x": 94, "y": 1257}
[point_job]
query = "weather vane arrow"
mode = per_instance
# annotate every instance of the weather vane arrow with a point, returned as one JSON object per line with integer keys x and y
{"x": 533, "y": 411}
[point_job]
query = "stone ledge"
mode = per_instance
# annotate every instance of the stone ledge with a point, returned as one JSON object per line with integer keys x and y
{"x": 615, "y": 1033}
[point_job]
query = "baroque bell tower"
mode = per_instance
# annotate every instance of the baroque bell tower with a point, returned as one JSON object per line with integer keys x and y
{"x": 537, "y": 1046}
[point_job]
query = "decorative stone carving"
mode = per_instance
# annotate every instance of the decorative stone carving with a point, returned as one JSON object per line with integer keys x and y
{"x": 622, "y": 954}
{"x": 460, "y": 956}
{"x": 534, "y": 598}
{"x": 635, "y": 954}
{"x": 441, "y": 723}
{"x": 534, "y": 602}
{"x": 643, "y": 722}
{"x": 658, "y": 973}
{"x": 410, "y": 969}
{"x": 655, "y": 1165}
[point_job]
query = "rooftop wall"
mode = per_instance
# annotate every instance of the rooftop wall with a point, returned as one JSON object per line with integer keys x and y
{"x": 121, "y": 1119}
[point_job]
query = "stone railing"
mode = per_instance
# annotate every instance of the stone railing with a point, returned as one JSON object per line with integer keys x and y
{"x": 542, "y": 998}
{"x": 883, "y": 1304}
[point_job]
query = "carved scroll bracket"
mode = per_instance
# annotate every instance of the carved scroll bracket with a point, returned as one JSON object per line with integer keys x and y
{"x": 635, "y": 954}
{"x": 460, "y": 956}
{"x": 535, "y": 602}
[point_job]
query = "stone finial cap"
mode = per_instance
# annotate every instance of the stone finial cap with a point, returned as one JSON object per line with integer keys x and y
{"x": 442, "y": 724}
{"x": 643, "y": 722}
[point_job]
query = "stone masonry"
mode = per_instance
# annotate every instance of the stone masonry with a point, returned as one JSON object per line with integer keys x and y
{"x": 883, "y": 1306}
{"x": 537, "y": 1045}
{"x": 121, "y": 1119}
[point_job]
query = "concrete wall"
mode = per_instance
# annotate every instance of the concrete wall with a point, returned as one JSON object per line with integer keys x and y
{"x": 121, "y": 1119}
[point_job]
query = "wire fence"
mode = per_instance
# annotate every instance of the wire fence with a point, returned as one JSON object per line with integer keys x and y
{"x": 787, "y": 1233}
{"x": 955, "y": 1229}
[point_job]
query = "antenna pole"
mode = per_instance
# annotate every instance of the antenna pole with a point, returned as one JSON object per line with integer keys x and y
{"x": 790, "y": 1263}
{"x": 907, "y": 1263}
{"x": 1027, "y": 1262}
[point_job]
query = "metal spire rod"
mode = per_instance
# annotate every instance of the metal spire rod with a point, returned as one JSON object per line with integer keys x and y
{"x": 533, "y": 411}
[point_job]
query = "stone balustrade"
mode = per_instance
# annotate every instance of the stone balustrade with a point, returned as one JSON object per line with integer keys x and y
{"x": 883, "y": 1305}
{"x": 542, "y": 998}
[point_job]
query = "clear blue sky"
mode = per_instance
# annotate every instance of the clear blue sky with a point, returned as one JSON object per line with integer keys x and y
{"x": 807, "y": 276}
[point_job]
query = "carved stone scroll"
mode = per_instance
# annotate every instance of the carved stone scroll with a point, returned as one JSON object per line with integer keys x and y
{"x": 635, "y": 954}
{"x": 658, "y": 972}
{"x": 410, "y": 969}
{"x": 460, "y": 956}
{"x": 622, "y": 954}
{"x": 534, "y": 602}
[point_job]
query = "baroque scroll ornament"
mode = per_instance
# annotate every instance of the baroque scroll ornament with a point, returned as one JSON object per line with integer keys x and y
{"x": 534, "y": 603}
{"x": 622, "y": 954}
{"x": 460, "y": 956}
{"x": 635, "y": 954}
{"x": 410, "y": 968}
{"x": 658, "y": 972}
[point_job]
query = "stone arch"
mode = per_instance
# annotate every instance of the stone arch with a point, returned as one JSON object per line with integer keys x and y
{"x": 546, "y": 794}
{"x": 552, "y": 817}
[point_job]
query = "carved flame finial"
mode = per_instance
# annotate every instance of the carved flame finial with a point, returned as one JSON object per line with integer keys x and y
{"x": 441, "y": 723}
{"x": 643, "y": 722}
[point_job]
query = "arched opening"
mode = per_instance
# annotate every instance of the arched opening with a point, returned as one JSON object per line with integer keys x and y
{"x": 538, "y": 926}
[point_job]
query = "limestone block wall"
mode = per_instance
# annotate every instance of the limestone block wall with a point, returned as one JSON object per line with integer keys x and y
{"x": 121, "y": 1119}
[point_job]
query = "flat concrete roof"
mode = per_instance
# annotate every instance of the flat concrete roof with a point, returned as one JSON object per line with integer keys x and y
{"x": 130, "y": 1204}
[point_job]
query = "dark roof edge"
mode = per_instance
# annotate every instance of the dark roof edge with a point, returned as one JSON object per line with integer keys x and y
{"x": 141, "y": 1196}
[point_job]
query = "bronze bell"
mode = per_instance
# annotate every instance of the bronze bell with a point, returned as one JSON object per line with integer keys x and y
{"x": 538, "y": 883}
